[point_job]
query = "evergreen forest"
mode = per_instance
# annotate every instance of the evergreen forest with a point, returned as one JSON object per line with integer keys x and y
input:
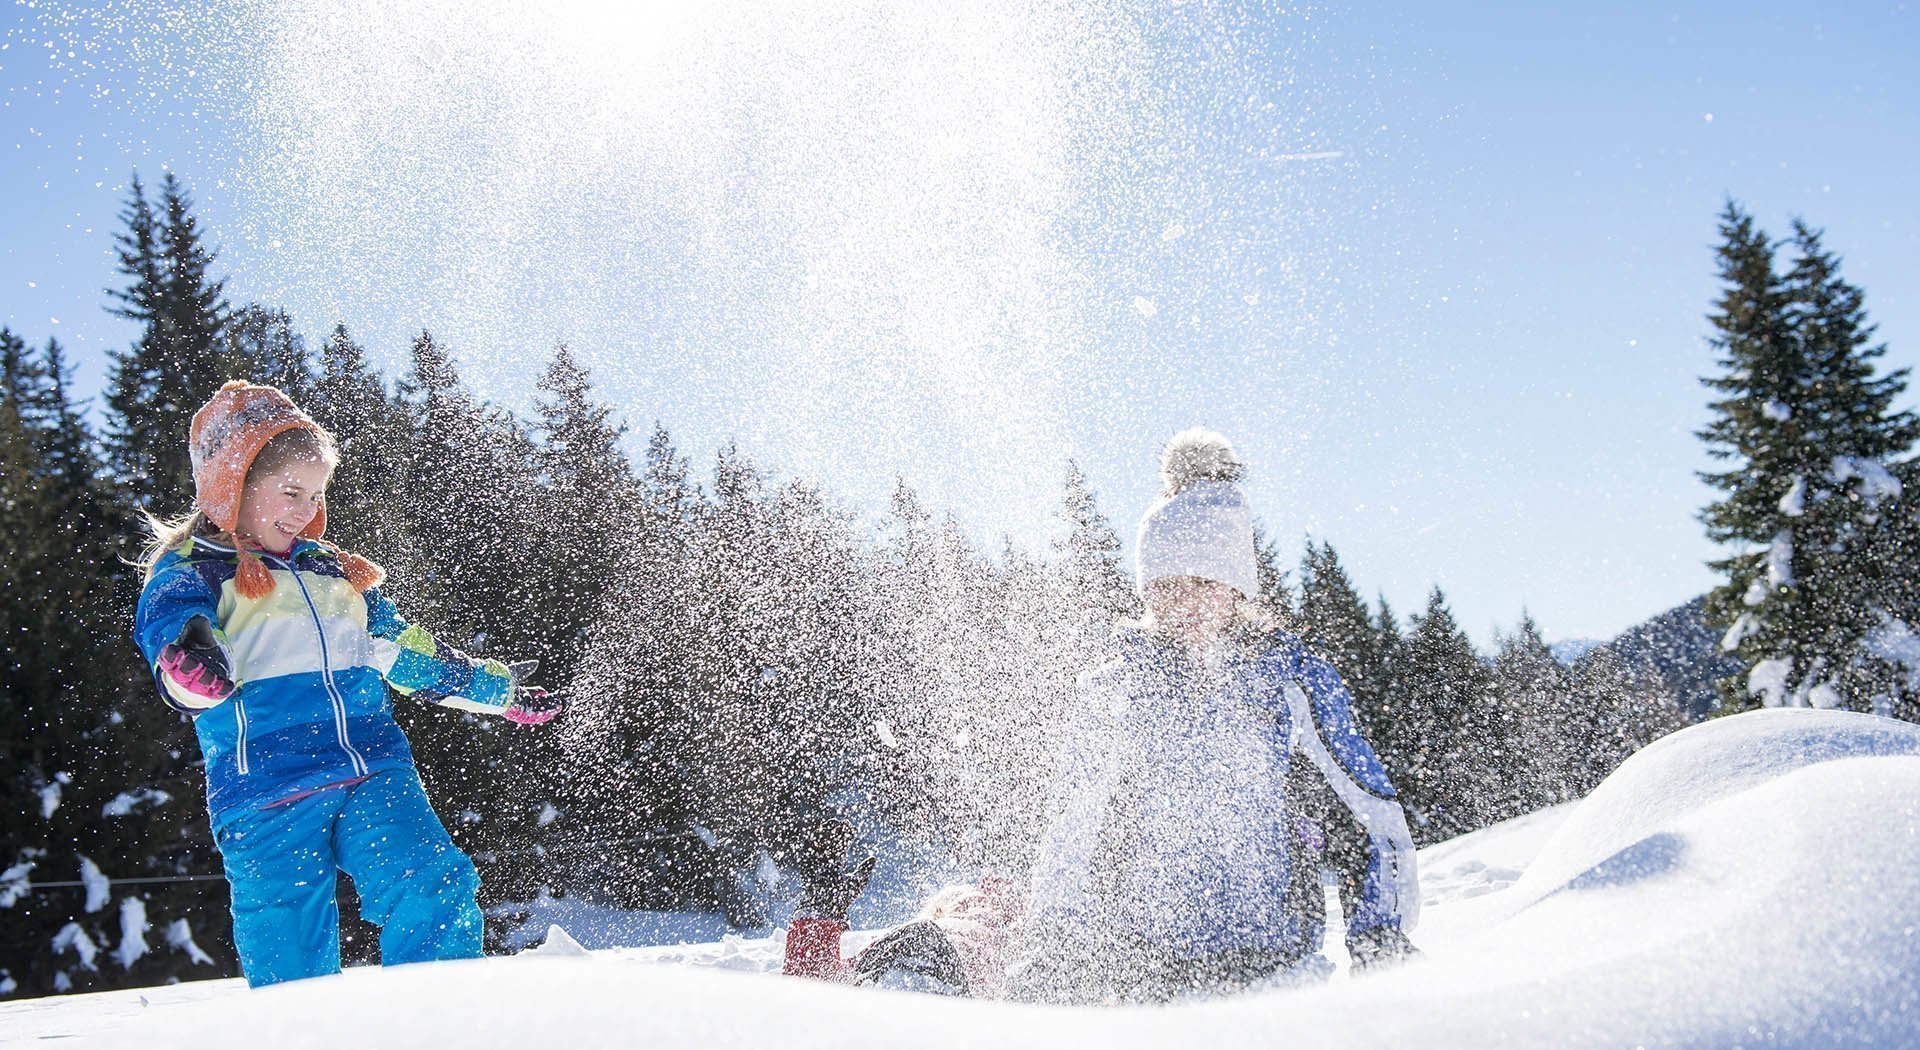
{"x": 741, "y": 654}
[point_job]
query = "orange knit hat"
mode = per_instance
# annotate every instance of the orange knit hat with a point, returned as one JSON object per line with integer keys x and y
{"x": 227, "y": 433}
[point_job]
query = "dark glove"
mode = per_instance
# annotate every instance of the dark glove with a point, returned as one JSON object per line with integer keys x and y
{"x": 1379, "y": 947}
{"x": 829, "y": 886}
{"x": 198, "y": 664}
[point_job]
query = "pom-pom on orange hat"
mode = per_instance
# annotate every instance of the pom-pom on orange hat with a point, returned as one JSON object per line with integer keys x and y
{"x": 227, "y": 433}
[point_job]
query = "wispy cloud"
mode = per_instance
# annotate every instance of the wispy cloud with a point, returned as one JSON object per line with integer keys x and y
{"x": 1331, "y": 154}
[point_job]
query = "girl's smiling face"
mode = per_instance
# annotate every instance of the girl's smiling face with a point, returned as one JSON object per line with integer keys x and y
{"x": 277, "y": 504}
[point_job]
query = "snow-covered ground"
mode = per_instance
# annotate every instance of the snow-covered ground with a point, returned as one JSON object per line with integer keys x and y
{"x": 1753, "y": 880}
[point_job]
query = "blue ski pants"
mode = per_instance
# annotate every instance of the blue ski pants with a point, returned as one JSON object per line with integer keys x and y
{"x": 414, "y": 883}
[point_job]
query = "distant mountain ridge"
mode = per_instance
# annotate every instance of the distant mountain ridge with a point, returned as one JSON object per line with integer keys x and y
{"x": 1682, "y": 648}
{"x": 1570, "y": 651}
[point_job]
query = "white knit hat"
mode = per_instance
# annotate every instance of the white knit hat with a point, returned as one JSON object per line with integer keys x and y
{"x": 1201, "y": 525}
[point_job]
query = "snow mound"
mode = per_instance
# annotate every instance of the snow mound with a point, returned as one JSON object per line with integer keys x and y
{"x": 557, "y": 942}
{"x": 1688, "y": 770}
{"x": 1753, "y": 879}
{"x": 1750, "y": 881}
{"x": 597, "y": 926}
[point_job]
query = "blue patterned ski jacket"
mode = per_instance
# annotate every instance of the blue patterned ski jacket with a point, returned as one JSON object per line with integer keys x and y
{"x": 313, "y": 661}
{"x": 1170, "y": 821}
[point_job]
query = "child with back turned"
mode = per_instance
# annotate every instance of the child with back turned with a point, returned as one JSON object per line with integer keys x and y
{"x": 282, "y": 648}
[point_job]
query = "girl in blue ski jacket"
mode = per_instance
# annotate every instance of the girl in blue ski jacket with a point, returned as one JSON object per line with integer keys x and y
{"x": 282, "y": 648}
{"x": 1212, "y": 767}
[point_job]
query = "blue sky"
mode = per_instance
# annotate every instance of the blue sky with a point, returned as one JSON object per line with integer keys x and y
{"x": 1440, "y": 273}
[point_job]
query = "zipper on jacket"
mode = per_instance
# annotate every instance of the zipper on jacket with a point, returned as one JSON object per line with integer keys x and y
{"x": 326, "y": 676}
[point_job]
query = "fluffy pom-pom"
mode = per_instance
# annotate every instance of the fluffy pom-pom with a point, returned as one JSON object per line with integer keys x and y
{"x": 1199, "y": 454}
{"x": 361, "y": 572}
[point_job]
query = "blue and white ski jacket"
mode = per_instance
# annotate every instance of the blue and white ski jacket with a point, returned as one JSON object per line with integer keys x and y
{"x": 1170, "y": 821}
{"x": 313, "y": 660}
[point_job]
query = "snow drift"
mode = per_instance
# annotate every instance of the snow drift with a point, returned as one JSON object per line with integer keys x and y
{"x": 1751, "y": 880}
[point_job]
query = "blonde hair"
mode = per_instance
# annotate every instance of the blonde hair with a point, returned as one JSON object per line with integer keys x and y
{"x": 301, "y": 444}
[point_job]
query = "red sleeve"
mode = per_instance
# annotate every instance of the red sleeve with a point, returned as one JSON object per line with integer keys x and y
{"x": 813, "y": 950}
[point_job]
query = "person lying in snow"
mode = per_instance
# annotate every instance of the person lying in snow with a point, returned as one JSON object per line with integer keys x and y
{"x": 957, "y": 946}
{"x": 1212, "y": 767}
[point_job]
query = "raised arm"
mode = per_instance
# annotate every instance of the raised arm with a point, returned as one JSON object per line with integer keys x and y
{"x": 1367, "y": 839}
{"x": 416, "y": 664}
{"x": 1063, "y": 921}
{"x": 1077, "y": 805}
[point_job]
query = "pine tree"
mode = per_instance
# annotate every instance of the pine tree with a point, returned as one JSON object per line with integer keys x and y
{"x": 1450, "y": 735}
{"x": 1807, "y": 431}
{"x": 637, "y": 702}
{"x": 136, "y": 377}
{"x": 470, "y": 479}
{"x": 95, "y": 768}
{"x": 1861, "y": 534}
{"x": 911, "y": 624}
{"x": 263, "y": 347}
{"x": 736, "y": 767}
{"x": 810, "y": 623}
{"x": 587, "y": 496}
{"x": 1275, "y": 599}
{"x": 26, "y": 723}
{"x": 20, "y": 377}
{"x": 70, "y": 461}
{"x": 1546, "y": 746}
{"x": 1622, "y": 709}
{"x": 1093, "y": 587}
{"x": 669, "y": 495}
{"x": 472, "y": 579}
{"x": 368, "y": 500}
{"x": 1027, "y": 684}
{"x": 1336, "y": 624}
{"x": 179, "y": 359}
{"x": 23, "y": 516}
{"x": 1391, "y": 734}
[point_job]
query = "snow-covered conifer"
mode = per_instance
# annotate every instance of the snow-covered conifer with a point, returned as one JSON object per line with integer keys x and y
{"x": 1816, "y": 517}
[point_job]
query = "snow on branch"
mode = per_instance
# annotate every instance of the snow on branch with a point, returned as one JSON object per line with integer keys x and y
{"x": 1794, "y": 503}
{"x": 180, "y": 939}
{"x": 126, "y": 802}
{"x": 1780, "y": 559}
{"x": 1895, "y": 642}
{"x": 99, "y": 887}
{"x": 14, "y": 883}
{"x": 72, "y": 938}
{"x": 1875, "y": 482}
{"x": 1768, "y": 680}
{"x": 50, "y": 794}
{"x": 1741, "y": 628}
{"x": 133, "y": 932}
